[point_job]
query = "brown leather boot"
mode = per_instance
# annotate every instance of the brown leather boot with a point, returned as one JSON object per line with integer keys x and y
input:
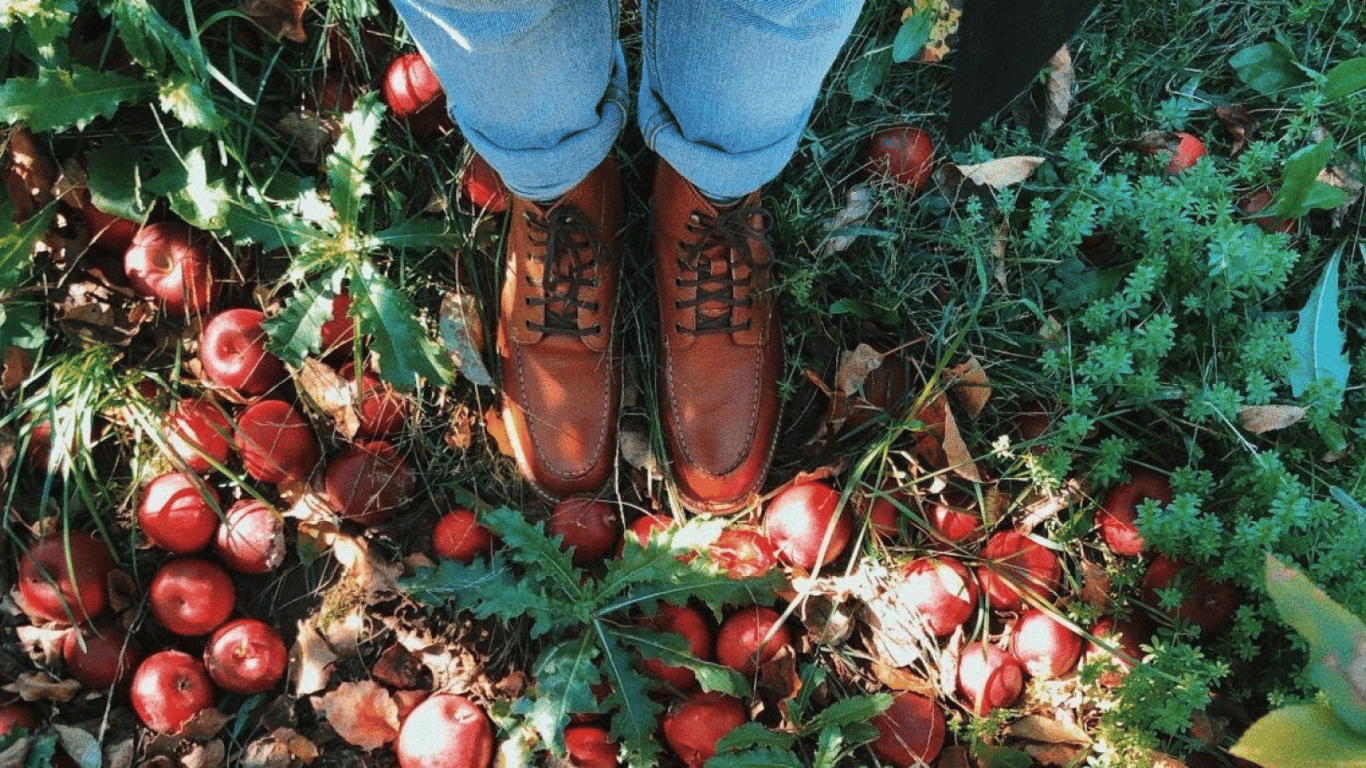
{"x": 722, "y": 355}
{"x": 561, "y": 379}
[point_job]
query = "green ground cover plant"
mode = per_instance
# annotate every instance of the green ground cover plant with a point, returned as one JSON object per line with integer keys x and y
{"x": 1052, "y": 269}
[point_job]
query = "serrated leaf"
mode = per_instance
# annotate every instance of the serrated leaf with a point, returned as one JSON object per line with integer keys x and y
{"x": 1318, "y": 341}
{"x": 855, "y": 709}
{"x": 416, "y": 233}
{"x": 350, "y": 159}
{"x": 489, "y": 589}
{"x": 565, "y": 676}
{"x": 59, "y": 99}
{"x": 46, "y": 22}
{"x": 828, "y": 748}
{"x": 189, "y": 101}
{"x": 406, "y": 354}
{"x": 867, "y": 73}
{"x": 297, "y": 330}
{"x": 751, "y": 735}
{"x": 635, "y": 718}
{"x": 759, "y": 757}
{"x": 1268, "y": 68}
{"x": 197, "y": 193}
{"x": 1345, "y": 79}
{"x": 17, "y": 241}
{"x": 529, "y": 545}
{"x": 672, "y": 649}
{"x": 912, "y": 35}
{"x": 661, "y": 560}
{"x": 1302, "y": 736}
{"x": 1337, "y": 640}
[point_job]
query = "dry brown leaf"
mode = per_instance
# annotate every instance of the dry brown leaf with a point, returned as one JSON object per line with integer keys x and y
{"x": 1041, "y": 509}
{"x": 901, "y": 679}
{"x": 397, "y": 667}
{"x": 362, "y": 713}
{"x": 205, "y": 725}
{"x": 1240, "y": 124}
{"x": 461, "y": 427}
{"x": 1062, "y": 85}
{"x": 1345, "y": 175}
{"x": 28, "y": 173}
{"x": 1054, "y": 754}
{"x": 40, "y": 686}
{"x": 971, "y": 385}
{"x": 344, "y": 632}
{"x": 1048, "y": 729}
{"x": 310, "y": 661}
{"x": 363, "y": 568}
{"x": 1000, "y": 237}
{"x": 496, "y": 429}
{"x": 944, "y": 31}
{"x": 281, "y": 18}
{"x": 1002, "y": 171}
{"x": 462, "y": 334}
{"x": 18, "y": 364}
{"x": 311, "y": 134}
{"x": 858, "y": 206}
{"x": 956, "y": 449}
{"x": 1268, "y": 418}
{"x": 209, "y": 754}
{"x": 1095, "y": 585}
{"x": 854, "y": 367}
{"x": 329, "y": 393}
{"x": 42, "y": 644}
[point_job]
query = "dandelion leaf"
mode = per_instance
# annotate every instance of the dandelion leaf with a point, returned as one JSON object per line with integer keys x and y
{"x": 1318, "y": 340}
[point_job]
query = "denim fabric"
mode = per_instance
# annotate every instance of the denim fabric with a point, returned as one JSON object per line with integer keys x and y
{"x": 538, "y": 87}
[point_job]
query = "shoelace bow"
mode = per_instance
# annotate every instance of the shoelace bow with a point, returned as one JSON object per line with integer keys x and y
{"x": 711, "y": 263}
{"x": 568, "y": 250}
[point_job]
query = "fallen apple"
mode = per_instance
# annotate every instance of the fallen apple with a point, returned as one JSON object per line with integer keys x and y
{"x": 939, "y": 590}
{"x": 910, "y": 732}
{"x": 459, "y": 536}
{"x": 740, "y": 640}
{"x": 414, "y": 94}
{"x": 1117, "y": 516}
{"x": 251, "y": 538}
{"x": 445, "y": 731}
{"x": 796, "y": 521}
{"x": 59, "y": 587}
{"x": 17, "y": 715}
{"x": 99, "y": 655}
{"x": 233, "y": 354}
{"x": 368, "y": 482}
{"x": 168, "y": 689}
{"x": 172, "y": 263}
{"x": 246, "y": 656}
{"x": 903, "y": 153}
{"x": 482, "y": 187}
{"x": 276, "y": 442}
{"x": 743, "y": 552}
{"x": 1014, "y": 564}
{"x": 1208, "y": 605}
{"x": 589, "y": 527}
{"x": 694, "y": 726}
{"x": 178, "y": 512}
{"x": 381, "y": 409}
{"x": 590, "y": 746}
{"x": 198, "y": 433}
{"x": 989, "y": 678}
{"x": 191, "y": 596}
{"x": 696, "y": 631}
{"x": 1045, "y": 646}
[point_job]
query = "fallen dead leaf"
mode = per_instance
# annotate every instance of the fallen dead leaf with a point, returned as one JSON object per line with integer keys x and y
{"x": 42, "y": 644}
{"x": 363, "y": 713}
{"x": 310, "y": 134}
{"x": 971, "y": 385}
{"x": 1268, "y": 418}
{"x": 281, "y": 18}
{"x": 1000, "y": 238}
{"x": 1345, "y": 175}
{"x": 1062, "y": 85}
{"x": 329, "y": 393}
{"x": 859, "y": 203}
{"x": 310, "y": 661}
{"x": 901, "y": 679}
{"x": 40, "y": 686}
{"x": 18, "y": 364}
{"x": 956, "y": 449}
{"x": 1095, "y": 585}
{"x": 460, "y": 428}
{"x": 1241, "y": 125}
{"x": 28, "y": 173}
{"x": 944, "y": 32}
{"x": 363, "y": 568}
{"x": 854, "y": 367}
{"x": 397, "y": 667}
{"x": 344, "y": 633}
{"x": 462, "y": 333}
{"x": 496, "y": 429}
{"x": 1001, "y": 172}
{"x": 1054, "y": 754}
{"x": 209, "y": 754}
{"x": 1044, "y": 508}
{"x": 1048, "y": 729}
{"x": 79, "y": 743}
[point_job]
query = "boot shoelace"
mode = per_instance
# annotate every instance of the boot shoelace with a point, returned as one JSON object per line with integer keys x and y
{"x": 716, "y": 263}
{"x": 568, "y": 249}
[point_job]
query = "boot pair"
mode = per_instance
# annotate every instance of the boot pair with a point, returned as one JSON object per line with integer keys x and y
{"x": 720, "y": 358}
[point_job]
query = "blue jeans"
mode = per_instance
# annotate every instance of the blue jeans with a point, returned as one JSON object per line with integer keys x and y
{"x": 538, "y": 87}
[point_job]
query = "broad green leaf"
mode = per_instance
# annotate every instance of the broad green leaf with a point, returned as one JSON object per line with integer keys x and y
{"x": 1337, "y": 640}
{"x": 297, "y": 330}
{"x": 190, "y": 102}
{"x": 759, "y": 757}
{"x": 1302, "y": 736}
{"x": 197, "y": 193}
{"x": 855, "y": 709}
{"x": 350, "y": 159}
{"x": 565, "y": 676}
{"x": 150, "y": 39}
{"x": 914, "y": 33}
{"x": 1268, "y": 68}
{"x": 635, "y": 719}
{"x": 1299, "y": 181}
{"x": 46, "y": 22}
{"x": 672, "y": 649}
{"x": 416, "y": 233}
{"x": 115, "y": 181}
{"x": 755, "y": 735}
{"x": 17, "y": 241}
{"x": 529, "y": 545}
{"x": 406, "y": 353}
{"x": 21, "y": 324}
{"x": 43, "y": 748}
{"x": 1345, "y": 79}
{"x": 1318, "y": 340}
{"x": 867, "y": 73}
{"x": 58, "y": 99}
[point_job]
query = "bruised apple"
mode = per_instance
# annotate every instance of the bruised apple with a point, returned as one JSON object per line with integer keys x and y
{"x": 1014, "y": 564}
{"x": 743, "y": 553}
{"x": 1117, "y": 516}
{"x": 251, "y": 538}
{"x": 590, "y": 528}
{"x": 445, "y": 731}
{"x": 940, "y": 590}
{"x": 459, "y": 536}
{"x": 276, "y": 442}
{"x": 740, "y": 640}
{"x": 233, "y": 354}
{"x": 694, "y": 726}
{"x": 99, "y": 655}
{"x": 192, "y": 596}
{"x": 368, "y": 482}
{"x": 172, "y": 263}
{"x": 169, "y": 688}
{"x": 796, "y": 521}
{"x": 246, "y": 656}
{"x": 178, "y": 512}
{"x": 198, "y": 431}
{"x": 989, "y": 678}
{"x": 910, "y": 732}
{"x": 51, "y": 583}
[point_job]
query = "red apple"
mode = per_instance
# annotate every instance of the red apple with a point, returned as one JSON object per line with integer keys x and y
{"x": 590, "y": 528}
{"x": 191, "y": 596}
{"x": 17, "y": 715}
{"x": 940, "y": 590}
{"x": 1180, "y": 150}
{"x": 169, "y": 688}
{"x": 246, "y": 656}
{"x": 173, "y": 264}
{"x": 1117, "y": 516}
{"x": 954, "y": 518}
{"x": 232, "y": 352}
{"x": 446, "y": 731}
{"x": 1013, "y": 565}
{"x": 692, "y": 625}
{"x": 796, "y": 520}
{"x": 1045, "y": 646}
{"x": 51, "y": 584}
{"x": 368, "y": 482}
{"x": 382, "y": 410}
{"x": 694, "y": 726}
{"x": 1209, "y": 605}
{"x": 276, "y": 442}
{"x": 414, "y": 95}
{"x": 738, "y": 641}
{"x": 482, "y": 187}
{"x": 1255, "y": 202}
{"x": 989, "y": 678}
{"x": 178, "y": 512}
{"x": 910, "y": 732}
{"x": 459, "y": 536}
{"x": 197, "y": 430}
{"x": 339, "y": 332}
{"x": 100, "y": 655}
{"x": 645, "y": 526}
{"x": 590, "y": 746}
{"x": 903, "y": 153}
{"x": 743, "y": 553}
{"x": 1128, "y": 636}
{"x": 251, "y": 538}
